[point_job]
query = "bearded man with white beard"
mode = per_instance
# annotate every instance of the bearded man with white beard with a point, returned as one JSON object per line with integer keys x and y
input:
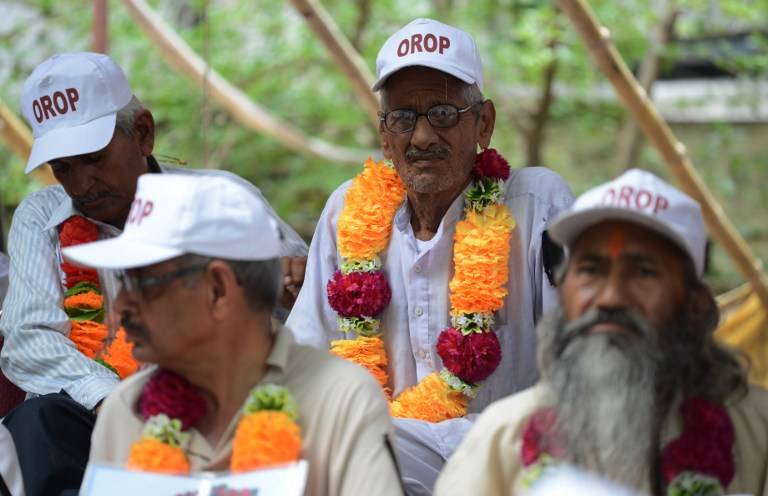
{"x": 633, "y": 388}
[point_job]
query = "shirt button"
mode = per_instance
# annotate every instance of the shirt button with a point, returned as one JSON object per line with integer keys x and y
{"x": 418, "y": 311}
{"x": 417, "y": 269}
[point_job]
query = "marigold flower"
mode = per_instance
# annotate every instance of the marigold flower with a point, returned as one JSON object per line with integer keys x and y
{"x": 265, "y": 438}
{"x": 364, "y": 224}
{"x": 480, "y": 257}
{"x": 151, "y": 455}
{"x": 120, "y": 355}
{"x": 90, "y": 300}
{"x": 366, "y": 352}
{"x": 88, "y": 336}
{"x": 431, "y": 400}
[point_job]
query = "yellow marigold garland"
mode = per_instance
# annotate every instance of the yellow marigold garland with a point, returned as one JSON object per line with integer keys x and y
{"x": 152, "y": 455}
{"x": 478, "y": 288}
{"x": 265, "y": 438}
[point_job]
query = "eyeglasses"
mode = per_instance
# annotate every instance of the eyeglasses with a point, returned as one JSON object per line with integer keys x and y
{"x": 440, "y": 116}
{"x": 136, "y": 284}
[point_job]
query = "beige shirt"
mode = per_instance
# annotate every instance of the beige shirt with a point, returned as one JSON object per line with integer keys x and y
{"x": 488, "y": 462}
{"x": 343, "y": 417}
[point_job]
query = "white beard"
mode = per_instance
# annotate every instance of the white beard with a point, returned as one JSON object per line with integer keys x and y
{"x": 605, "y": 394}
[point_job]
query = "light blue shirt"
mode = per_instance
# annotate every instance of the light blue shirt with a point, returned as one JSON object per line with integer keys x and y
{"x": 37, "y": 355}
{"x": 418, "y": 277}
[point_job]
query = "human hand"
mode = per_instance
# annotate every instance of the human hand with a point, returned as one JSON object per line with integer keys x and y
{"x": 293, "y": 279}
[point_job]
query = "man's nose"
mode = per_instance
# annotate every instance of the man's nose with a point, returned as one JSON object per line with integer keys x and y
{"x": 612, "y": 295}
{"x": 423, "y": 134}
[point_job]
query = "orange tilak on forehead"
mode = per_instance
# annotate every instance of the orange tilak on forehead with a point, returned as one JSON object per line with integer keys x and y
{"x": 616, "y": 242}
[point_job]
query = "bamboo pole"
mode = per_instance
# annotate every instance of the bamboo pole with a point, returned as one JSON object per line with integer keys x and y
{"x": 342, "y": 51}
{"x": 100, "y": 26}
{"x": 598, "y": 41}
{"x": 19, "y": 140}
{"x": 244, "y": 110}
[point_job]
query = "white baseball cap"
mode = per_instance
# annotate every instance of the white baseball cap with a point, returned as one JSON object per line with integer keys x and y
{"x": 176, "y": 214}
{"x": 429, "y": 43}
{"x": 641, "y": 198}
{"x": 71, "y": 101}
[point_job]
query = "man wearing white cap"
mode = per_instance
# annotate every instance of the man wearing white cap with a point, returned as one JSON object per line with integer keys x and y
{"x": 98, "y": 139}
{"x": 428, "y": 346}
{"x": 201, "y": 275}
{"x": 634, "y": 386}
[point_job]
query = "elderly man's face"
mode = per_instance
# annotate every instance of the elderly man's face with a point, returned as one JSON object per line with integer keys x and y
{"x": 622, "y": 266}
{"x": 102, "y": 184}
{"x": 166, "y": 320}
{"x": 429, "y": 159}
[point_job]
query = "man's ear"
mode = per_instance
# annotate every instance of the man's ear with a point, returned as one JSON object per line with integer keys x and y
{"x": 224, "y": 290}
{"x": 144, "y": 131}
{"x": 486, "y": 123}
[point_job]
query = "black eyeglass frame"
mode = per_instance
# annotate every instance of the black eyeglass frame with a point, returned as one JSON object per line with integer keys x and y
{"x": 138, "y": 284}
{"x": 459, "y": 111}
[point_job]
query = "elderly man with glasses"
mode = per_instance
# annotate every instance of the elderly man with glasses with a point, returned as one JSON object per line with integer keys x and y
{"x": 420, "y": 263}
{"x": 200, "y": 277}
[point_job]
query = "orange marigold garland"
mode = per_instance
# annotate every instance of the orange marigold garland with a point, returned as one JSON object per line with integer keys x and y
{"x": 470, "y": 350}
{"x": 267, "y": 433}
{"x": 359, "y": 291}
{"x": 84, "y": 304}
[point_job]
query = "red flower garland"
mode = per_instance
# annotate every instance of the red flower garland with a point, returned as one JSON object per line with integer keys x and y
{"x": 169, "y": 393}
{"x": 489, "y": 163}
{"x": 74, "y": 231}
{"x": 705, "y": 446}
{"x": 359, "y": 294}
{"x": 472, "y": 357}
{"x": 538, "y": 437}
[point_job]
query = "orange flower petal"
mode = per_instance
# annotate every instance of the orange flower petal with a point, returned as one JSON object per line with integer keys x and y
{"x": 265, "y": 438}
{"x": 431, "y": 400}
{"x": 367, "y": 352}
{"x": 364, "y": 226}
{"x": 88, "y": 336}
{"x": 120, "y": 355}
{"x": 151, "y": 455}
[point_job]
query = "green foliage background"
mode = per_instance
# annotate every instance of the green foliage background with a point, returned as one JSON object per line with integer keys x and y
{"x": 265, "y": 48}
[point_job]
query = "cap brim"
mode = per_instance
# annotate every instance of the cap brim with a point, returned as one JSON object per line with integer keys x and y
{"x": 566, "y": 228}
{"x": 446, "y": 68}
{"x": 71, "y": 141}
{"x": 118, "y": 253}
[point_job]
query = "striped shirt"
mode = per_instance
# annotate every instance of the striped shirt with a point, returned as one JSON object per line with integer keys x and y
{"x": 37, "y": 354}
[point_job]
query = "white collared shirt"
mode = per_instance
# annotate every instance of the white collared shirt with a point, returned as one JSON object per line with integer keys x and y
{"x": 419, "y": 310}
{"x": 37, "y": 355}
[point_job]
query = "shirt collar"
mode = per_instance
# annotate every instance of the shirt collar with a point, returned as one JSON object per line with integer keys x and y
{"x": 281, "y": 349}
{"x": 66, "y": 209}
{"x": 403, "y": 214}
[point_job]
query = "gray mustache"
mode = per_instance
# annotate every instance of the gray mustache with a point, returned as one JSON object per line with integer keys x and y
{"x": 630, "y": 320}
{"x": 433, "y": 153}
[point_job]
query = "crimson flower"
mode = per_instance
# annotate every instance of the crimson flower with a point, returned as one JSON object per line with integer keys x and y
{"x": 490, "y": 164}
{"x": 74, "y": 274}
{"x": 77, "y": 230}
{"x": 359, "y": 294}
{"x": 539, "y": 437}
{"x": 169, "y": 393}
{"x": 471, "y": 358}
{"x": 705, "y": 446}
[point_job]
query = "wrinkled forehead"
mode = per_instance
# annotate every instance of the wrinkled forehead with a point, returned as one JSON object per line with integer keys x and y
{"x": 417, "y": 81}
